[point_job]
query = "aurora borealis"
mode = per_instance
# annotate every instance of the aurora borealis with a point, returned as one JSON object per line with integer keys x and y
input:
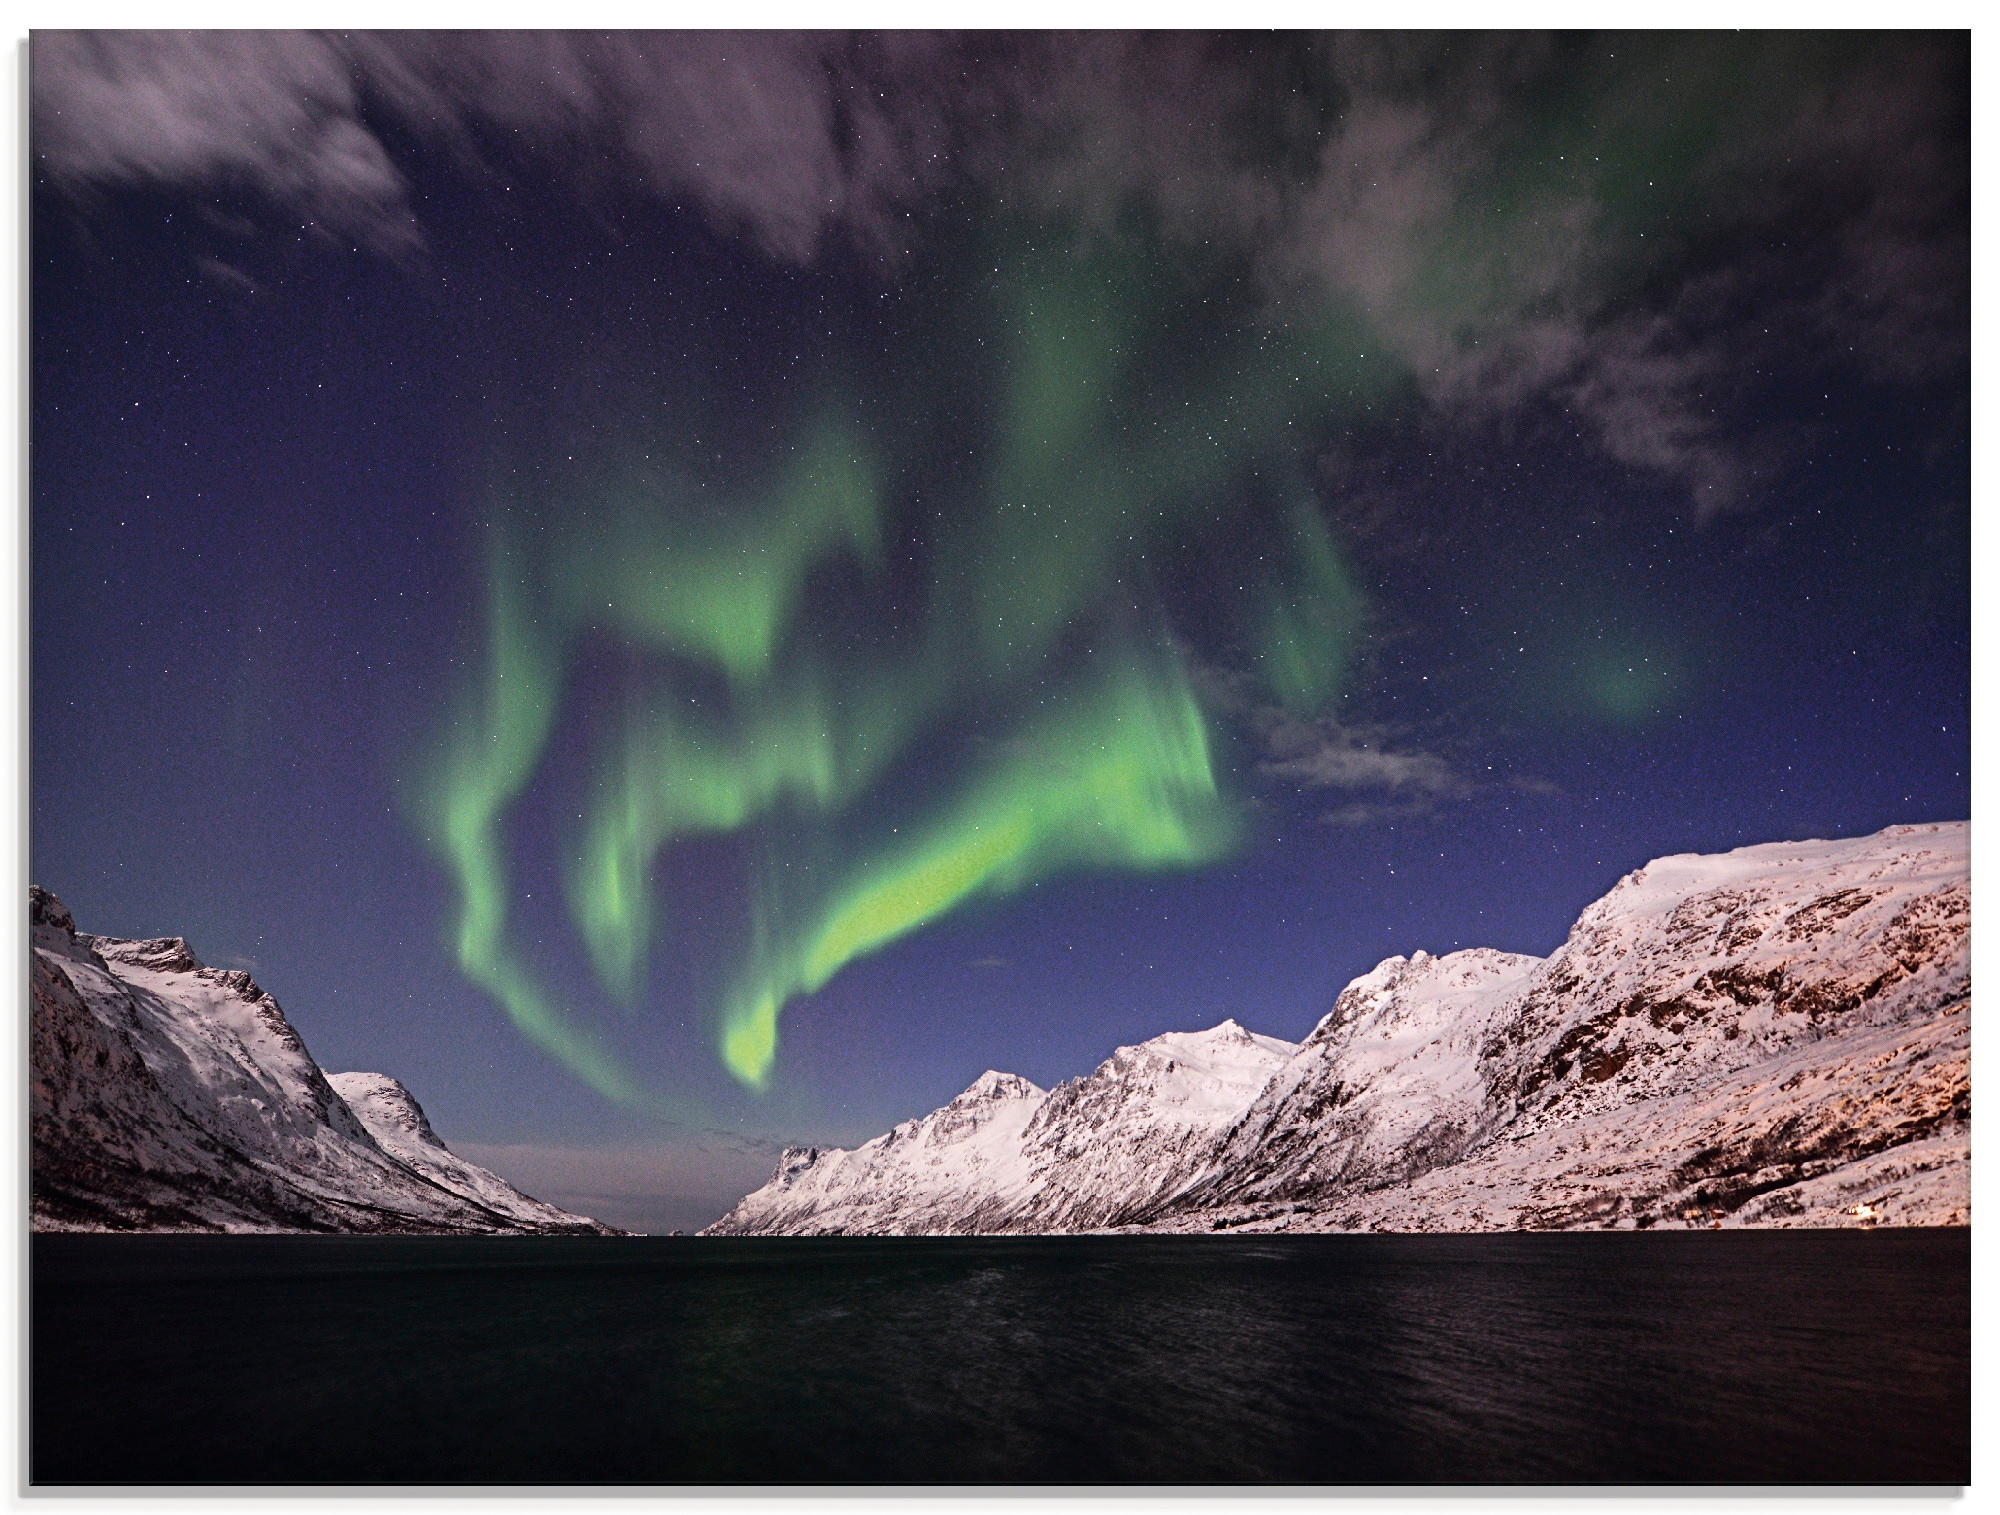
{"x": 747, "y": 703}
{"x": 689, "y": 592}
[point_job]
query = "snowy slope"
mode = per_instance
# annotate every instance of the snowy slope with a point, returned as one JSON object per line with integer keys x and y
{"x": 1111, "y": 1147}
{"x": 1691, "y": 970}
{"x": 1777, "y": 1035}
{"x": 1387, "y": 1086}
{"x": 167, "y": 1095}
{"x": 1005, "y": 1156}
{"x": 960, "y": 1168}
{"x": 1866, "y": 1128}
{"x": 1697, "y": 966}
{"x": 400, "y": 1128}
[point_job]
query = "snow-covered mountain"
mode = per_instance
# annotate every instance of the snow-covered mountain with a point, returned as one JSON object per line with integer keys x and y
{"x": 1005, "y": 1156}
{"x": 167, "y": 1095}
{"x": 1778, "y": 1035}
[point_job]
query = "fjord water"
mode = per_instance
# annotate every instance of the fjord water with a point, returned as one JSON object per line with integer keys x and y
{"x": 1696, "y": 1357}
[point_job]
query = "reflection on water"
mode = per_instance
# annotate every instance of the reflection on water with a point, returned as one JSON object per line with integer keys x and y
{"x": 1704, "y": 1357}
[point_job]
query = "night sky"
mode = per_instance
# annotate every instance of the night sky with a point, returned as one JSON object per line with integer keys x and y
{"x": 683, "y": 594}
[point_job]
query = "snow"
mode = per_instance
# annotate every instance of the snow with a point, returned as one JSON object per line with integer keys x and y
{"x": 171, "y": 1095}
{"x": 1797, "y": 1140}
{"x": 1774, "y": 1036}
{"x": 398, "y": 1124}
{"x": 1007, "y": 1156}
{"x": 1777, "y": 1035}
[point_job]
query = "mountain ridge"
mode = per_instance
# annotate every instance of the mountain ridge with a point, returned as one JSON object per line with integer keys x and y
{"x": 1776, "y": 1035}
{"x": 167, "y": 1095}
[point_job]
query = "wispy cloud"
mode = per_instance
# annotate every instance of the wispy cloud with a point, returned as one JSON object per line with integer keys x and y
{"x": 777, "y": 136}
{"x": 1388, "y": 775}
{"x": 226, "y": 274}
{"x": 1324, "y": 754}
{"x": 1382, "y": 772}
{"x": 1618, "y": 230}
{"x": 1601, "y": 227}
{"x": 277, "y": 112}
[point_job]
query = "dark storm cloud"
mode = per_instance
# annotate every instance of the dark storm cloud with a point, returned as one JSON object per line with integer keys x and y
{"x": 1619, "y": 229}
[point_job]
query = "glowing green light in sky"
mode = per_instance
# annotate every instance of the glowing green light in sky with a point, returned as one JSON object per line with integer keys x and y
{"x": 1628, "y": 690}
{"x": 751, "y": 702}
{"x": 677, "y": 774}
{"x": 1120, "y": 778}
{"x": 715, "y": 583}
{"x": 495, "y": 744}
{"x": 1310, "y": 618}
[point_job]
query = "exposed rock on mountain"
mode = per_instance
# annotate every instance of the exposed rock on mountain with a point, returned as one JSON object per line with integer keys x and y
{"x": 1774, "y": 1036}
{"x": 1109, "y": 1148}
{"x": 1387, "y": 1086}
{"x": 166, "y": 1095}
{"x": 1875, "y": 1123}
{"x": 1005, "y": 1156}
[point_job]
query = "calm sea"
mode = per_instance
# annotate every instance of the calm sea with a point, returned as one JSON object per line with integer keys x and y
{"x": 1694, "y": 1357}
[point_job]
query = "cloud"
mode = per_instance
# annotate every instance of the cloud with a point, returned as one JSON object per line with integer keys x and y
{"x": 1324, "y": 754}
{"x": 780, "y": 137}
{"x": 273, "y": 111}
{"x": 1615, "y": 231}
{"x": 1381, "y": 771}
{"x": 1366, "y": 813}
{"x": 1498, "y": 302}
{"x": 226, "y": 274}
{"x": 1490, "y": 303}
{"x": 1598, "y": 229}
{"x": 1389, "y": 776}
{"x": 1397, "y": 779}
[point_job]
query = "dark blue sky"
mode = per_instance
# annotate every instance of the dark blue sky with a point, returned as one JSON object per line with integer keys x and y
{"x": 1641, "y": 548}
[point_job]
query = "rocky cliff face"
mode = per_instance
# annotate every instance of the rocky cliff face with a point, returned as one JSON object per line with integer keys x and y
{"x": 167, "y": 1095}
{"x": 1774, "y": 1036}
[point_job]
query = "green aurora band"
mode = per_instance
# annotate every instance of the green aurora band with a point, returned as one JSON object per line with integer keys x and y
{"x": 1053, "y": 446}
{"x": 1122, "y": 777}
{"x": 1107, "y": 453}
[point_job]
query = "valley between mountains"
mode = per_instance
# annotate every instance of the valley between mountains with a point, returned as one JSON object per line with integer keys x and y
{"x": 1775, "y": 1036}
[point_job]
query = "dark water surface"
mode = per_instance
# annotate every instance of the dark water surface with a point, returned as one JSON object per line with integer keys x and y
{"x": 1694, "y": 1357}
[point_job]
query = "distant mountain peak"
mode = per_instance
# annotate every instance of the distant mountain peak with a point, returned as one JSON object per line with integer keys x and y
{"x": 1227, "y": 1033}
{"x": 382, "y": 1101}
{"x": 160, "y": 954}
{"x": 996, "y": 1085}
